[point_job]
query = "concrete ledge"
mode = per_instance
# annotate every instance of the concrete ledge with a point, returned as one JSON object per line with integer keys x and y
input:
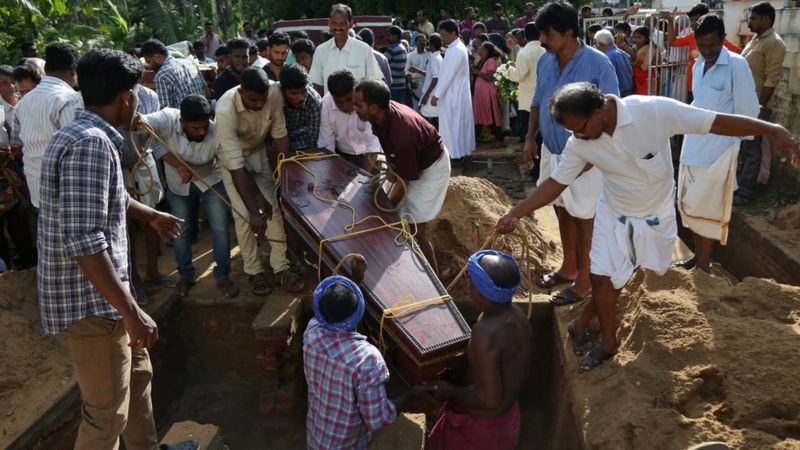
{"x": 209, "y": 436}
{"x": 407, "y": 433}
{"x": 279, "y": 316}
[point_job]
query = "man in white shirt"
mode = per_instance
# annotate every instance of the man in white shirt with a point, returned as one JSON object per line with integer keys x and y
{"x": 416, "y": 67}
{"x": 427, "y": 110}
{"x": 523, "y": 71}
{"x": 52, "y": 105}
{"x": 341, "y": 130}
{"x": 452, "y": 95}
{"x": 246, "y": 115}
{"x": 635, "y": 224}
{"x": 342, "y": 52}
{"x": 424, "y": 26}
{"x": 191, "y": 134}
{"x": 707, "y": 175}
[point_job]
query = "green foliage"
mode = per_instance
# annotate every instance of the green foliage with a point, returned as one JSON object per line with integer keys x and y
{"x": 125, "y": 23}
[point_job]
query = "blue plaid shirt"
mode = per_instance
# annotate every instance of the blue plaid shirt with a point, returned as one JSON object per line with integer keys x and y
{"x": 176, "y": 79}
{"x": 303, "y": 124}
{"x": 82, "y": 212}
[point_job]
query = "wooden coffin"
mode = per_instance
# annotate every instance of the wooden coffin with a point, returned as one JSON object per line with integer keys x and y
{"x": 421, "y": 343}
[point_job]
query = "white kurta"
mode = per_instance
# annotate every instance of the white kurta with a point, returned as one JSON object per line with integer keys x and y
{"x": 456, "y": 121}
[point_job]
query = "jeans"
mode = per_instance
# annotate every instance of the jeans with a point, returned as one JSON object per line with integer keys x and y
{"x": 523, "y": 117}
{"x": 185, "y": 207}
{"x": 399, "y": 95}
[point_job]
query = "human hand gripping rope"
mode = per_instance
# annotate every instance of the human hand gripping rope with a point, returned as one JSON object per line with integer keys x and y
{"x": 195, "y": 176}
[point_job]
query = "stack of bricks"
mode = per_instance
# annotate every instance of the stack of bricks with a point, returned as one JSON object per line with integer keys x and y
{"x": 278, "y": 331}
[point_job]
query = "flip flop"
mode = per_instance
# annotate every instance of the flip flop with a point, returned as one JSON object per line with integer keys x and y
{"x": 568, "y": 296}
{"x": 581, "y": 342}
{"x": 593, "y": 359}
{"x": 551, "y": 280}
{"x": 191, "y": 444}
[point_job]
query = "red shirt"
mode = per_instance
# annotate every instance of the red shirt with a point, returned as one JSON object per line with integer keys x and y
{"x": 410, "y": 142}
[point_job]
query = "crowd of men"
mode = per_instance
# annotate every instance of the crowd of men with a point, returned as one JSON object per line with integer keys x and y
{"x": 89, "y": 152}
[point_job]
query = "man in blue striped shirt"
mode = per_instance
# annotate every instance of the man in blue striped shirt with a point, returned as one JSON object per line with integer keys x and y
{"x": 396, "y": 54}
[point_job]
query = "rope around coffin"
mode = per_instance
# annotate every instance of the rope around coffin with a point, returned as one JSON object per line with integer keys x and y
{"x": 153, "y": 135}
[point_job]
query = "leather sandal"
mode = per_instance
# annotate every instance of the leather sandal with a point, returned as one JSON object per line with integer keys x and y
{"x": 290, "y": 281}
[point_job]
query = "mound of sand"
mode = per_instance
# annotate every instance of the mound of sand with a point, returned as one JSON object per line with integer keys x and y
{"x": 700, "y": 360}
{"x": 34, "y": 369}
{"x": 472, "y": 206}
{"x": 784, "y": 229}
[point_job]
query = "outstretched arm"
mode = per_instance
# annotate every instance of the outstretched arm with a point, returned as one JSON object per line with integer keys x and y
{"x": 784, "y": 142}
{"x": 543, "y": 195}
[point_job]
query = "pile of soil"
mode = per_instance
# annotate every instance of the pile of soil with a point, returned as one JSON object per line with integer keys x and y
{"x": 472, "y": 206}
{"x": 700, "y": 360}
{"x": 35, "y": 370}
{"x": 785, "y": 228}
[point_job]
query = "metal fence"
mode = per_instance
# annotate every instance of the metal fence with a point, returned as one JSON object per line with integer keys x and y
{"x": 669, "y": 67}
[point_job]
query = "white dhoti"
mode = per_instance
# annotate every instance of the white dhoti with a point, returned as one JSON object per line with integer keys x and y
{"x": 705, "y": 196}
{"x": 620, "y": 244}
{"x": 580, "y": 197}
{"x": 425, "y": 196}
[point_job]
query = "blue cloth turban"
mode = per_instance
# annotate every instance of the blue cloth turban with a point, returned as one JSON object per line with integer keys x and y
{"x": 484, "y": 283}
{"x": 348, "y": 324}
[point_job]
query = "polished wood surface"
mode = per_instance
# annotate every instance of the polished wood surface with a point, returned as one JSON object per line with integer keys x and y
{"x": 395, "y": 273}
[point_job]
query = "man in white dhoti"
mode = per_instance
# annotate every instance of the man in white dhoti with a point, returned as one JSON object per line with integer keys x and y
{"x": 707, "y": 175}
{"x": 414, "y": 151}
{"x": 452, "y": 95}
{"x": 628, "y": 141}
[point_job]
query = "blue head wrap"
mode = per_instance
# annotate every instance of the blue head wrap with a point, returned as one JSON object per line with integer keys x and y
{"x": 484, "y": 283}
{"x": 348, "y": 324}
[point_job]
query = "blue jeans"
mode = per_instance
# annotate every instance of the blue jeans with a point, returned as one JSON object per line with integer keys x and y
{"x": 185, "y": 207}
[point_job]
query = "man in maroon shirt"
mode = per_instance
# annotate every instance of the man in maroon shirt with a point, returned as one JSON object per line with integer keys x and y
{"x": 414, "y": 151}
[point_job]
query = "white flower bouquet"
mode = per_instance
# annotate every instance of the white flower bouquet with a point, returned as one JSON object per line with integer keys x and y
{"x": 506, "y": 89}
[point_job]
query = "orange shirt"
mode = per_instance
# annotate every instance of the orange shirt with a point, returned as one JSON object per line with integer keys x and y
{"x": 691, "y": 42}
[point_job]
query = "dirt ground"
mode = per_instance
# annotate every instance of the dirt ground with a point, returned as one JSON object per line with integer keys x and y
{"x": 472, "y": 206}
{"x": 34, "y": 370}
{"x": 784, "y": 227}
{"x": 700, "y": 360}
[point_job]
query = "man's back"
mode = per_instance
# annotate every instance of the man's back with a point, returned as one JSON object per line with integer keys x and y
{"x": 509, "y": 334}
{"x": 176, "y": 80}
{"x": 346, "y": 388}
{"x": 52, "y": 105}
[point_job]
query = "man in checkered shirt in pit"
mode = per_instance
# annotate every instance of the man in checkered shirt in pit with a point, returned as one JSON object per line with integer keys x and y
{"x": 346, "y": 375}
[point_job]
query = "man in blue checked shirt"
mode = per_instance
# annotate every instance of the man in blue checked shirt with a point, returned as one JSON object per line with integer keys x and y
{"x": 568, "y": 60}
{"x": 84, "y": 276}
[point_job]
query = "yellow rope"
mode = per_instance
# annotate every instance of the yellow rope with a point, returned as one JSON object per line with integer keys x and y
{"x": 384, "y": 174}
{"x": 152, "y": 132}
{"x": 490, "y": 242}
{"x": 402, "y": 226}
{"x": 404, "y": 306}
{"x": 140, "y": 160}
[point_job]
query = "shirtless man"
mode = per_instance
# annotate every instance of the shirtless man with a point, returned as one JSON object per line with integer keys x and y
{"x": 499, "y": 356}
